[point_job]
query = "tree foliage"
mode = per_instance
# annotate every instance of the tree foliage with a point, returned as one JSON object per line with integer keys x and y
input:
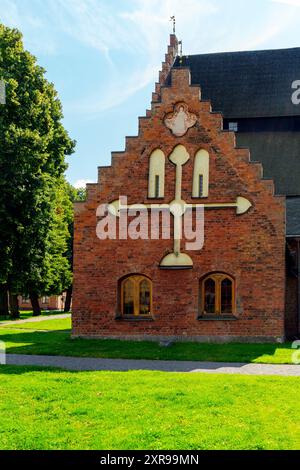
{"x": 35, "y": 209}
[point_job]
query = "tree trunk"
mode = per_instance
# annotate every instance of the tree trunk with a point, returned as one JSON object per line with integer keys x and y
{"x": 14, "y": 305}
{"x": 68, "y": 299}
{"x": 3, "y": 301}
{"x": 34, "y": 299}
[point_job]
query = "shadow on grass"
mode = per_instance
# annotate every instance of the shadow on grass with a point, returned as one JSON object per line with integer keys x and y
{"x": 60, "y": 343}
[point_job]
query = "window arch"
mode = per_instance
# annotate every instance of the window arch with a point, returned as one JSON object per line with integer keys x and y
{"x": 218, "y": 295}
{"x": 156, "y": 187}
{"x": 201, "y": 174}
{"x": 136, "y": 296}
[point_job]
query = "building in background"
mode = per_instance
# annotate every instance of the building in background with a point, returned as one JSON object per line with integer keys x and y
{"x": 54, "y": 302}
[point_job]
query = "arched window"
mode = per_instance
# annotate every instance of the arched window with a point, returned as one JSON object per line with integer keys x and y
{"x": 201, "y": 174}
{"x": 218, "y": 295}
{"x": 156, "y": 188}
{"x": 136, "y": 296}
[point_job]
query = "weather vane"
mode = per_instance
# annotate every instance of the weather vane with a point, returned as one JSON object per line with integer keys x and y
{"x": 174, "y": 23}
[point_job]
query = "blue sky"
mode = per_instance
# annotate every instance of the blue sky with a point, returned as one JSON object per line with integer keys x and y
{"x": 103, "y": 56}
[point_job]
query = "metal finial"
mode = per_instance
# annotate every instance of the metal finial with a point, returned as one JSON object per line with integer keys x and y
{"x": 180, "y": 52}
{"x": 174, "y": 23}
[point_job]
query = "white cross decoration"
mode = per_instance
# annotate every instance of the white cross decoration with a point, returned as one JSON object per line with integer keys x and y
{"x": 178, "y": 260}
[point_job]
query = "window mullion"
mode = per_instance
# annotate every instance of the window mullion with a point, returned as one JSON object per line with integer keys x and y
{"x": 218, "y": 296}
{"x": 136, "y": 298}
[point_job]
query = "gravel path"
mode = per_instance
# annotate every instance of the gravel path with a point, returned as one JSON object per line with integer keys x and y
{"x": 36, "y": 319}
{"x": 93, "y": 364}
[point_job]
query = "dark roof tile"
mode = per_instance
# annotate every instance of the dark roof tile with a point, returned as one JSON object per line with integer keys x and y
{"x": 247, "y": 84}
{"x": 279, "y": 153}
{"x": 293, "y": 216}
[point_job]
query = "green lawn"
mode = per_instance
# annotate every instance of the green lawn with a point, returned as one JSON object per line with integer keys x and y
{"x": 42, "y": 325}
{"x": 51, "y": 409}
{"x": 28, "y": 338}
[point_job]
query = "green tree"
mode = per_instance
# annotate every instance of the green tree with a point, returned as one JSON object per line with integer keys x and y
{"x": 33, "y": 148}
{"x": 75, "y": 195}
{"x": 55, "y": 275}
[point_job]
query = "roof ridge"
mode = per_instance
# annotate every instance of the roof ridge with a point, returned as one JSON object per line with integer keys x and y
{"x": 252, "y": 51}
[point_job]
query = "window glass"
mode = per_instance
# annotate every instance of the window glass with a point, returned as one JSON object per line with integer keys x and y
{"x": 226, "y": 296}
{"x": 210, "y": 296}
{"x": 128, "y": 300}
{"x": 233, "y": 126}
{"x": 145, "y": 294}
{"x": 200, "y": 185}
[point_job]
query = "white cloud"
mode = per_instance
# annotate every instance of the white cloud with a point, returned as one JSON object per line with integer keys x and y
{"x": 9, "y": 13}
{"x": 294, "y": 3}
{"x": 137, "y": 32}
{"x": 140, "y": 32}
{"x": 90, "y": 22}
{"x": 81, "y": 183}
{"x": 275, "y": 22}
{"x": 115, "y": 93}
{"x": 140, "y": 29}
{"x": 36, "y": 37}
{"x": 97, "y": 24}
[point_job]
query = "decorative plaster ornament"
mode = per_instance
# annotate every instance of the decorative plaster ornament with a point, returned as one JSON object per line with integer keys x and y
{"x": 180, "y": 121}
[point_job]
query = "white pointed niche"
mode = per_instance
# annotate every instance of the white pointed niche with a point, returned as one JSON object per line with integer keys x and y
{"x": 156, "y": 185}
{"x": 201, "y": 174}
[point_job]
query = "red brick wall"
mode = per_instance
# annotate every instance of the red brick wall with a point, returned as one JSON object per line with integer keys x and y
{"x": 251, "y": 247}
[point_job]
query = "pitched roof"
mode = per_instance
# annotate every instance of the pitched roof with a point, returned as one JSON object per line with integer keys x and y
{"x": 251, "y": 85}
{"x": 247, "y": 84}
{"x": 293, "y": 216}
{"x": 279, "y": 153}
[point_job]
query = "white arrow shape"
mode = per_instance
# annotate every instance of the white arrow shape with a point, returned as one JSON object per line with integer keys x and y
{"x": 242, "y": 206}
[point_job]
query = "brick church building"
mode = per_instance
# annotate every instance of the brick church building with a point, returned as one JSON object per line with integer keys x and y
{"x": 222, "y": 134}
